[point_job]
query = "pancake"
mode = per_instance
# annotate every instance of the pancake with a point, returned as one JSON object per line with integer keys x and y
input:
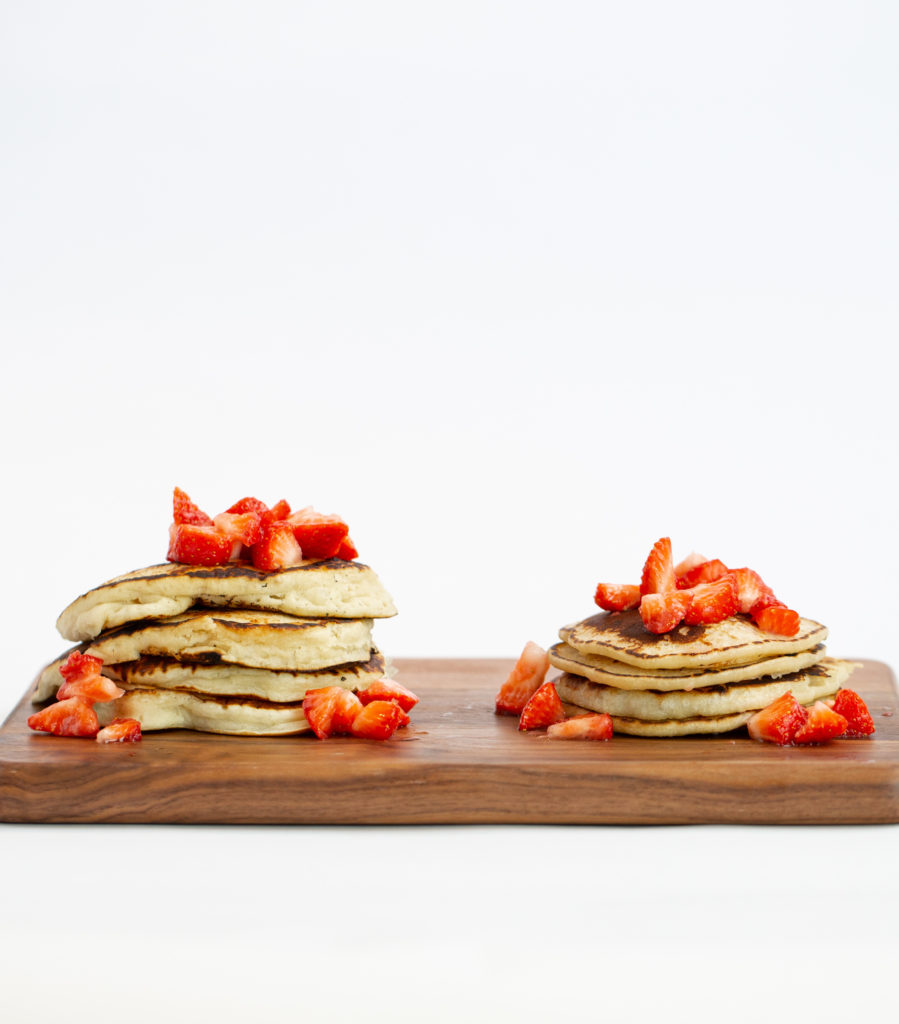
{"x": 640, "y": 677}
{"x": 332, "y": 588}
{"x": 735, "y": 641}
{"x": 808, "y": 685}
{"x": 224, "y": 679}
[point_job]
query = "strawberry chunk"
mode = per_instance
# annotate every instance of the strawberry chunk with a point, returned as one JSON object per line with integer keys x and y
{"x": 185, "y": 511}
{"x": 617, "y": 597}
{"x": 776, "y": 618}
{"x": 347, "y": 550}
{"x": 331, "y": 710}
{"x": 239, "y": 527}
{"x": 388, "y": 689}
{"x": 751, "y": 589}
{"x": 711, "y": 602}
{"x": 524, "y": 680}
{"x": 858, "y": 719}
{"x": 197, "y": 545}
{"x": 822, "y": 724}
{"x": 80, "y": 666}
{"x": 276, "y": 548}
{"x": 379, "y": 720}
{"x": 582, "y": 727}
{"x": 543, "y": 709}
{"x": 658, "y": 570}
{"x": 705, "y": 572}
{"x": 72, "y": 717}
{"x": 280, "y": 510}
{"x": 779, "y": 721}
{"x": 692, "y": 560}
{"x": 248, "y": 505}
{"x": 320, "y": 536}
{"x": 91, "y": 688}
{"x": 662, "y": 612}
{"x": 120, "y": 730}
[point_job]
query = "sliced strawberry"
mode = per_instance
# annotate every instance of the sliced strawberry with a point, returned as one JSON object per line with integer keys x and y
{"x": 751, "y": 589}
{"x": 523, "y": 681}
{"x": 280, "y": 510}
{"x": 185, "y": 511}
{"x": 705, "y": 572}
{"x": 658, "y": 571}
{"x": 388, "y": 689}
{"x": 80, "y": 666}
{"x": 582, "y": 727}
{"x": 821, "y": 725}
{"x": 684, "y": 566}
{"x": 379, "y": 720}
{"x": 346, "y": 708}
{"x": 776, "y": 618}
{"x": 711, "y": 602}
{"x": 320, "y": 536}
{"x": 858, "y": 719}
{"x": 617, "y": 597}
{"x": 347, "y": 550}
{"x": 91, "y": 688}
{"x": 320, "y": 707}
{"x": 276, "y": 548}
{"x": 71, "y": 717}
{"x": 779, "y": 721}
{"x": 197, "y": 545}
{"x": 120, "y": 730}
{"x": 543, "y": 709}
{"x": 662, "y": 612}
{"x": 248, "y": 505}
{"x": 239, "y": 527}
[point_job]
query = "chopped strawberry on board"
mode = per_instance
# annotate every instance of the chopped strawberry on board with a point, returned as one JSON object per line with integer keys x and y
{"x": 821, "y": 725}
{"x": 331, "y": 710}
{"x": 276, "y": 548}
{"x": 120, "y": 730}
{"x": 663, "y": 612}
{"x": 775, "y": 618}
{"x": 779, "y": 721}
{"x": 751, "y": 589}
{"x": 347, "y": 550}
{"x": 72, "y": 717}
{"x": 858, "y": 719}
{"x": 379, "y": 720}
{"x": 197, "y": 545}
{"x": 705, "y": 572}
{"x": 388, "y": 689}
{"x": 320, "y": 536}
{"x": 523, "y": 681}
{"x": 185, "y": 511}
{"x": 543, "y": 709}
{"x": 617, "y": 597}
{"x": 582, "y": 727}
{"x": 658, "y": 570}
{"x": 90, "y": 688}
{"x": 711, "y": 602}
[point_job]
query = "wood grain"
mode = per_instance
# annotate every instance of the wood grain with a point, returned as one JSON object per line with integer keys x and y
{"x": 457, "y": 763}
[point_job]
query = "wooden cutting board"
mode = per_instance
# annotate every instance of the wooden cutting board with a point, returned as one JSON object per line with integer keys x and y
{"x": 456, "y": 763}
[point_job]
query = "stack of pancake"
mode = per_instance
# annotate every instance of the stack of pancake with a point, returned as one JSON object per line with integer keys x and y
{"x": 695, "y": 679}
{"x": 226, "y": 648}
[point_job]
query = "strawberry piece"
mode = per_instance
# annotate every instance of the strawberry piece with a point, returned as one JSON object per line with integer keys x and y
{"x": 80, "y": 666}
{"x": 330, "y": 710}
{"x": 120, "y": 730}
{"x": 858, "y": 719}
{"x": 582, "y": 727}
{"x": 276, "y": 548}
{"x": 751, "y": 589}
{"x": 379, "y": 720}
{"x": 776, "y": 618}
{"x": 197, "y": 545}
{"x": 658, "y": 570}
{"x": 239, "y": 527}
{"x": 821, "y": 724}
{"x": 185, "y": 511}
{"x": 711, "y": 602}
{"x": 705, "y": 572}
{"x": 91, "y": 688}
{"x": 320, "y": 536}
{"x": 662, "y": 612}
{"x": 280, "y": 510}
{"x": 617, "y": 597}
{"x": 779, "y": 721}
{"x": 388, "y": 689}
{"x": 346, "y": 708}
{"x": 684, "y": 566}
{"x": 347, "y": 550}
{"x": 523, "y": 681}
{"x": 543, "y": 709}
{"x": 248, "y": 505}
{"x": 71, "y": 717}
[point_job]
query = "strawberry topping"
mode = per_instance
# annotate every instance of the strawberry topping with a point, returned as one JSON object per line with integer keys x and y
{"x": 711, "y": 602}
{"x": 379, "y": 720}
{"x": 775, "y": 618}
{"x": 80, "y": 666}
{"x": 72, "y": 717}
{"x": 347, "y": 550}
{"x": 120, "y": 730}
{"x": 705, "y": 572}
{"x": 617, "y": 597}
{"x": 663, "y": 612}
{"x": 320, "y": 536}
{"x": 582, "y": 727}
{"x": 821, "y": 724}
{"x": 779, "y": 721}
{"x": 92, "y": 688}
{"x": 751, "y": 589}
{"x": 276, "y": 548}
{"x": 331, "y": 710}
{"x": 185, "y": 511}
{"x": 858, "y": 719}
{"x": 197, "y": 545}
{"x": 248, "y": 505}
{"x": 658, "y": 570}
{"x": 543, "y": 709}
{"x": 388, "y": 689}
{"x": 524, "y": 680}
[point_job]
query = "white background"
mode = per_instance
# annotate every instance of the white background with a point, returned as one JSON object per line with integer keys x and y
{"x": 516, "y": 288}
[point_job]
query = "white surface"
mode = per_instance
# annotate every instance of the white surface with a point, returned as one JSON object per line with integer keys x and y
{"x": 517, "y": 289}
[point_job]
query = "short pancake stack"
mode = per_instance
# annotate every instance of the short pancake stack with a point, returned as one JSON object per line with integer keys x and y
{"x": 694, "y": 679}
{"x": 227, "y": 648}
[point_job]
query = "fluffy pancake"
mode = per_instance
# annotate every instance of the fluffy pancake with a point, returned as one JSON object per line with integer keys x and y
{"x": 640, "y": 677}
{"x": 317, "y": 589}
{"x": 735, "y": 641}
{"x": 808, "y": 685}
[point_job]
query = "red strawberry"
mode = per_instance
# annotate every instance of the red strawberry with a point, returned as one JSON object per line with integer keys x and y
{"x": 858, "y": 719}
{"x": 347, "y": 550}
{"x": 80, "y": 666}
{"x": 185, "y": 511}
{"x": 346, "y": 707}
{"x": 248, "y": 505}
{"x": 120, "y": 730}
{"x": 582, "y": 727}
{"x": 711, "y": 602}
{"x": 779, "y": 721}
{"x": 705, "y": 572}
{"x": 330, "y": 710}
{"x": 658, "y": 570}
{"x": 91, "y": 688}
{"x": 276, "y": 548}
{"x": 280, "y": 510}
{"x": 319, "y": 536}
{"x": 617, "y": 597}
{"x": 72, "y": 717}
{"x": 821, "y": 725}
{"x": 751, "y": 589}
{"x": 239, "y": 527}
{"x": 693, "y": 559}
{"x": 777, "y": 619}
{"x": 388, "y": 689}
{"x": 524, "y": 680}
{"x": 379, "y": 720}
{"x": 544, "y": 708}
{"x": 197, "y": 545}
{"x": 662, "y": 612}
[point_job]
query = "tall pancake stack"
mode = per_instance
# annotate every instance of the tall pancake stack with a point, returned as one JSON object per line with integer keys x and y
{"x": 694, "y": 679}
{"x": 227, "y": 648}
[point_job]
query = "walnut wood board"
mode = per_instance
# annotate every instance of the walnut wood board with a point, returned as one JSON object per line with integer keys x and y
{"x": 457, "y": 763}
